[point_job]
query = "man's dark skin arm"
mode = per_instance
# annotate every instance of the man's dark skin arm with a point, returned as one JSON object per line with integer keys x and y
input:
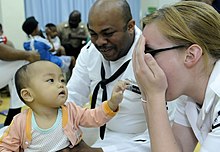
{"x": 10, "y": 54}
{"x": 82, "y": 147}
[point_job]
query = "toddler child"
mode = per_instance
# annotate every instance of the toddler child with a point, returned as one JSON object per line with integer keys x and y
{"x": 49, "y": 124}
{"x": 52, "y": 37}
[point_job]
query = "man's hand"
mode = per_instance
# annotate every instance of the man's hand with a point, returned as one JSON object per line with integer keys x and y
{"x": 82, "y": 147}
{"x": 11, "y": 54}
{"x": 32, "y": 56}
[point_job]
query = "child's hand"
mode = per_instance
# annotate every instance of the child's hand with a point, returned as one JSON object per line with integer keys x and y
{"x": 117, "y": 94}
{"x": 48, "y": 32}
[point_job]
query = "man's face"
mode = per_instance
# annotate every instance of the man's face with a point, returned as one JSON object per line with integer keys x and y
{"x": 74, "y": 20}
{"x": 110, "y": 34}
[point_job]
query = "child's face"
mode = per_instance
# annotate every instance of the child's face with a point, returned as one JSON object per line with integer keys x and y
{"x": 52, "y": 32}
{"x": 48, "y": 85}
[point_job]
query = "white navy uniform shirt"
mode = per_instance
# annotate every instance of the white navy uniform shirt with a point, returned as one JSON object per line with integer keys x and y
{"x": 205, "y": 122}
{"x": 7, "y": 72}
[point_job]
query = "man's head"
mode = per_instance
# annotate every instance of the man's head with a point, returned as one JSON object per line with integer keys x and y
{"x": 41, "y": 83}
{"x": 30, "y": 25}
{"x": 51, "y": 30}
{"x": 74, "y": 19}
{"x": 111, "y": 28}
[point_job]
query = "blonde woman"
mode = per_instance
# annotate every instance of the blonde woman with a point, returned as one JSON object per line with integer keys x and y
{"x": 178, "y": 54}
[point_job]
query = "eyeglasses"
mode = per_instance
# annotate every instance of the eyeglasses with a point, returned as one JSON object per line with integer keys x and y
{"x": 154, "y": 52}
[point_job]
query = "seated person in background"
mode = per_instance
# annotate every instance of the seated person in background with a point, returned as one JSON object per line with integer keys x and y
{"x": 4, "y": 39}
{"x": 52, "y": 36}
{"x": 10, "y": 60}
{"x": 73, "y": 34}
{"x": 15, "y": 103}
{"x": 12, "y": 110}
{"x": 49, "y": 125}
{"x": 43, "y": 46}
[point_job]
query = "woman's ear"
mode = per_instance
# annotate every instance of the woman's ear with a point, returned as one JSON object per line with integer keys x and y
{"x": 193, "y": 54}
{"x": 27, "y": 95}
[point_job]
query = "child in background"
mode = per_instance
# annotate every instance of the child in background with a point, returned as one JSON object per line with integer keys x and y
{"x": 52, "y": 36}
{"x": 49, "y": 125}
{"x": 43, "y": 46}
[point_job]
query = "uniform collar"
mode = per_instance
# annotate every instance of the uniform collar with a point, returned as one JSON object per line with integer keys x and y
{"x": 211, "y": 91}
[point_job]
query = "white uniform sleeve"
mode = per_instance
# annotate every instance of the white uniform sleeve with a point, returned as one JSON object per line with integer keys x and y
{"x": 15, "y": 101}
{"x": 8, "y": 69}
{"x": 56, "y": 43}
{"x": 180, "y": 115}
{"x": 212, "y": 141}
{"x": 78, "y": 85}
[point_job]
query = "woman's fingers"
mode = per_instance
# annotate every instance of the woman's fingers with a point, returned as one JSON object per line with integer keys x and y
{"x": 147, "y": 72}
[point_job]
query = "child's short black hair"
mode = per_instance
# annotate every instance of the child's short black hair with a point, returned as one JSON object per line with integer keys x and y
{"x": 49, "y": 25}
{"x": 21, "y": 79}
{"x": 29, "y": 25}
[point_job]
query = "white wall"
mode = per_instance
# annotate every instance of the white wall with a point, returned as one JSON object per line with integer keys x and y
{"x": 148, "y": 3}
{"x": 145, "y": 4}
{"x": 154, "y": 3}
{"x": 12, "y": 16}
{"x": 166, "y": 2}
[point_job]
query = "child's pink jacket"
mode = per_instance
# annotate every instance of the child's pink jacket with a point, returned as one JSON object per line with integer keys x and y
{"x": 18, "y": 135}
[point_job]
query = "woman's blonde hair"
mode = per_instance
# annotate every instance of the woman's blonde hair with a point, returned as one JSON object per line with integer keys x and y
{"x": 205, "y": 1}
{"x": 190, "y": 22}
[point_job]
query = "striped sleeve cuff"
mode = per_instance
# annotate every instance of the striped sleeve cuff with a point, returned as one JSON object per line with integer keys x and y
{"x": 108, "y": 110}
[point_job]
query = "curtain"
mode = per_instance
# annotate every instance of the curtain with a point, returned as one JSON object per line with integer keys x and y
{"x": 57, "y": 11}
{"x": 136, "y": 10}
